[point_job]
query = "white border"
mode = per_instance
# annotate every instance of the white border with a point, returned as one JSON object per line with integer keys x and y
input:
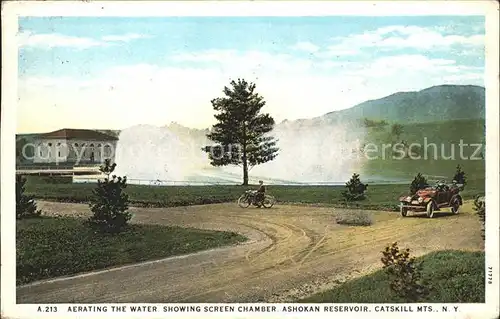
{"x": 11, "y": 10}
{"x": 249, "y": 8}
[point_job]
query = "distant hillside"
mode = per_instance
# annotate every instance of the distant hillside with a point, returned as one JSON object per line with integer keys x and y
{"x": 434, "y": 104}
{"x": 438, "y": 160}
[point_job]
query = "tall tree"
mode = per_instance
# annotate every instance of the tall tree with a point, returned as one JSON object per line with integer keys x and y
{"x": 241, "y": 131}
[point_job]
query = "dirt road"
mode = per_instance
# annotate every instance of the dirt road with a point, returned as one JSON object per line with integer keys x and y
{"x": 293, "y": 251}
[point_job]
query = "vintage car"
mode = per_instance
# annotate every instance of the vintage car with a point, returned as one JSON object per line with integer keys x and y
{"x": 432, "y": 198}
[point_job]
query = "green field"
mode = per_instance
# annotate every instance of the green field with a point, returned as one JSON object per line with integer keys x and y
{"x": 378, "y": 196}
{"x": 453, "y": 276}
{"x": 51, "y": 247}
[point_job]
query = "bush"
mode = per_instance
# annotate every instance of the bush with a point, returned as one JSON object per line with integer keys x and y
{"x": 480, "y": 208}
{"x": 405, "y": 273}
{"x": 354, "y": 218}
{"x": 110, "y": 203}
{"x": 419, "y": 182}
{"x": 355, "y": 189}
{"x": 25, "y": 205}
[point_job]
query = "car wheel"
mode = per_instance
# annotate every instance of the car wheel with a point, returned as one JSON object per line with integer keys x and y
{"x": 430, "y": 209}
{"x": 403, "y": 210}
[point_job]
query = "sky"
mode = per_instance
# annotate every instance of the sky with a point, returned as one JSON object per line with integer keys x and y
{"x": 117, "y": 72}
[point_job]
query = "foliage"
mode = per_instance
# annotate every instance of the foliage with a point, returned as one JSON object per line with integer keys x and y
{"x": 405, "y": 273}
{"x": 459, "y": 176}
{"x": 419, "y": 182}
{"x": 25, "y": 205}
{"x": 480, "y": 208}
{"x": 354, "y": 218}
{"x": 456, "y": 277}
{"x": 51, "y": 247}
{"x": 109, "y": 203}
{"x": 241, "y": 131}
{"x": 355, "y": 189}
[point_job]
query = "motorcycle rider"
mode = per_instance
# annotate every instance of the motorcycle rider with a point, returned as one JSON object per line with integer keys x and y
{"x": 261, "y": 192}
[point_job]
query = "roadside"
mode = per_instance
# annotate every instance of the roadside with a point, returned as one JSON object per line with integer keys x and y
{"x": 452, "y": 276}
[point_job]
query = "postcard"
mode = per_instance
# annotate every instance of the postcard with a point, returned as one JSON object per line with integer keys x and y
{"x": 178, "y": 159}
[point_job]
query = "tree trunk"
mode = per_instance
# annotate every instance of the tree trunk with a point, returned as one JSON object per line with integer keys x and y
{"x": 244, "y": 158}
{"x": 245, "y": 171}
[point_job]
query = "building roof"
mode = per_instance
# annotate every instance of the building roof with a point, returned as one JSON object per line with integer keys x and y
{"x": 80, "y": 134}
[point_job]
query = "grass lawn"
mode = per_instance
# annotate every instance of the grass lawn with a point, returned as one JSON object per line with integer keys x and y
{"x": 378, "y": 196}
{"x": 454, "y": 277}
{"x": 51, "y": 247}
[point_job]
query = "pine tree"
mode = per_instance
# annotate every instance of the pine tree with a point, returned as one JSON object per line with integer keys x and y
{"x": 25, "y": 205}
{"x": 241, "y": 132}
{"x": 110, "y": 203}
{"x": 355, "y": 189}
{"x": 419, "y": 182}
{"x": 405, "y": 272}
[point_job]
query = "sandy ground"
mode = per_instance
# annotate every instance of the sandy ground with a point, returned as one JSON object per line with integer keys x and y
{"x": 293, "y": 251}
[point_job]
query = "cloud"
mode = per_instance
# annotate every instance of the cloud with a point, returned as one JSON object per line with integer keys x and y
{"x": 401, "y": 37}
{"x": 245, "y": 62}
{"x": 408, "y": 67}
{"x": 125, "y": 37}
{"x": 52, "y": 40}
{"x": 424, "y": 38}
{"x": 306, "y": 46}
{"x": 392, "y": 65}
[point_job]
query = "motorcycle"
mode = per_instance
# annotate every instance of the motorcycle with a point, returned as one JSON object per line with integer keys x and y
{"x": 250, "y": 198}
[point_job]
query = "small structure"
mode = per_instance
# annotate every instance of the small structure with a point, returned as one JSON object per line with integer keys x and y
{"x": 69, "y": 147}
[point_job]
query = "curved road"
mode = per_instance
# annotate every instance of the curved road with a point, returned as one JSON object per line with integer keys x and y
{"x": 293, "y": 251}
